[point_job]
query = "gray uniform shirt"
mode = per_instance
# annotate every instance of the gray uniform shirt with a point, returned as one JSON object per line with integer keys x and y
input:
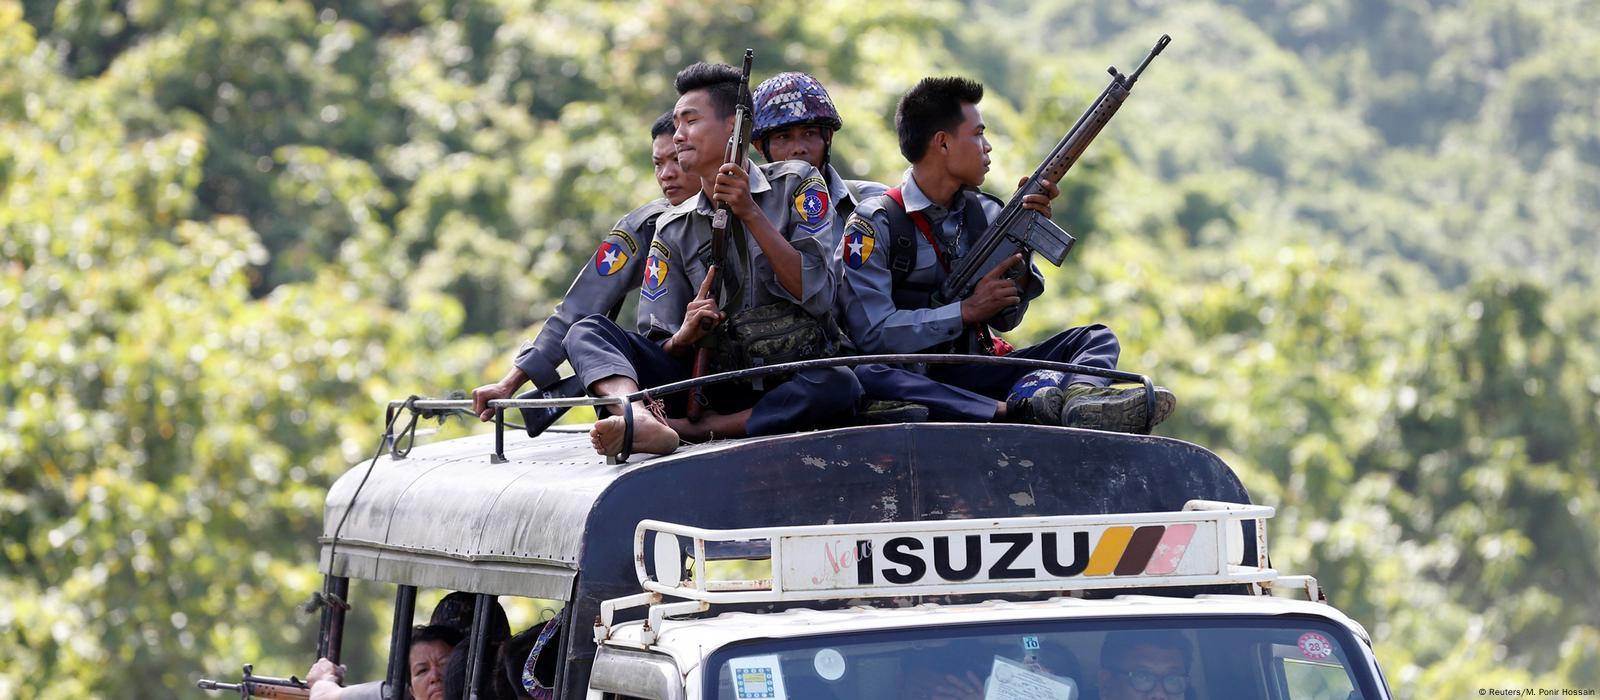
{"x": 614, "y": 271}
{"x": 866, "y": 295}
{"x": 797, "y": 201}
{"x": 847, "y": 195}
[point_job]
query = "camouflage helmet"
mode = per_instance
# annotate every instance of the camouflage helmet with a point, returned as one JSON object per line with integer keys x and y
{"x": 791, "y": 98}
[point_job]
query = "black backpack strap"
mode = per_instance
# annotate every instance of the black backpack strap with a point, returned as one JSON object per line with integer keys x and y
{"x": 902, "y": 239}
{"x": 973, "y": 220}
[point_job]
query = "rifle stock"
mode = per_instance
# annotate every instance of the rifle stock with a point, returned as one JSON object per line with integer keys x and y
{"x": 738, "y": 144}
{"x": 1019, "y": 230}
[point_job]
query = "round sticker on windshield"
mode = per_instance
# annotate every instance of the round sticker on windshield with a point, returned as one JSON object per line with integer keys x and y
{"x": 1315, "y": 646}
{"x": 829, "y": 664}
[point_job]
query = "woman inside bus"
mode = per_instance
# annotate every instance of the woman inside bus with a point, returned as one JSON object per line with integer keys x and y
{"x": 454, "y": 613}
{"x": 425, "y": 666}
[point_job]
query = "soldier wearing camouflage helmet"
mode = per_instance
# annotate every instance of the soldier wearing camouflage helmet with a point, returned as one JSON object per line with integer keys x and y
{"x": 795, "y": 120}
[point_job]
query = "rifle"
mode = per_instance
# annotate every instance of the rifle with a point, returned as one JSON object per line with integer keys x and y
{"x": 254, "y": 686}
{"x": 1019, "y": 230}
{"x": 738, "y": 144}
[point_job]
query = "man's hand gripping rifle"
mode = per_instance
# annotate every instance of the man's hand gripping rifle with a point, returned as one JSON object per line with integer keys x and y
{"x": 1019, "y": 230}
{"x": 738, "y": 145}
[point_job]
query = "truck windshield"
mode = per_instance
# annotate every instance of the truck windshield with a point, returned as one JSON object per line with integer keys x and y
{"x": 1174, "y": 658}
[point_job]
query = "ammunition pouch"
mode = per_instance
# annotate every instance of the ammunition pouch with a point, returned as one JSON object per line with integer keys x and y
{"x": 771, "y": 334}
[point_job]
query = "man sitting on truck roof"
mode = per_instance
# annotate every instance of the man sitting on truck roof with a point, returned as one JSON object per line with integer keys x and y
{"x": 898, "y": 249}
{"x": 777, "y": 291}
{"x": 605, "y": 281}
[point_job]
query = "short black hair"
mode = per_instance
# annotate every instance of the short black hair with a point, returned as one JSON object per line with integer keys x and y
{"x": 931, "y": 106}
{"x": 719, "y": 80}
{"x": 435, "y": 633}
{"x": 1118, "y": 645}
{"x": 662, "y": 126}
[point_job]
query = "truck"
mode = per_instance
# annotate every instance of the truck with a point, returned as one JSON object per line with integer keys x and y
{"x": 915, "y": 560}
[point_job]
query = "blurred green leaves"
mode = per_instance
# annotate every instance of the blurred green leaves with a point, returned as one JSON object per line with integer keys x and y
{"x": 1356, "y": 238}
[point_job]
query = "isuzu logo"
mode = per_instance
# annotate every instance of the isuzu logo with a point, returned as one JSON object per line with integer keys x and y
{"x": 958, "y": 556}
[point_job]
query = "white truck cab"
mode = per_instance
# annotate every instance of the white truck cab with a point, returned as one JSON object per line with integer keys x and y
{"x": 1066, "y": 646}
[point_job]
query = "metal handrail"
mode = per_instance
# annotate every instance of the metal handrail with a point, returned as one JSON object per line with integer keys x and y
{"x": 1207, "y": 560}
{"x": 626, "y": 401}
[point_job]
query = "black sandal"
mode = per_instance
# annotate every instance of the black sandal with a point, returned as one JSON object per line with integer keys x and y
{"x": 622, "y": 456}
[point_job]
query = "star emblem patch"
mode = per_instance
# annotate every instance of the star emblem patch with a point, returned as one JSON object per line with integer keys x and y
{"x": 859, "y": 240}
{"x": 610, "y": 258}
{"x": 811, "y": 201}
{"x": 655, "y": 278}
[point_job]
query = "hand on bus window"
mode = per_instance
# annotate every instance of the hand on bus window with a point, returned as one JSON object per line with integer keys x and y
{"x": 325, "y": 679}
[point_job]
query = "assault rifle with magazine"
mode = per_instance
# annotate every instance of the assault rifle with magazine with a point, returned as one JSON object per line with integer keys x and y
{"x": 1019, "y": 230}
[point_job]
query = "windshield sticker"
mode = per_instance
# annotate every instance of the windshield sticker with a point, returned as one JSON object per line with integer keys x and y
{"x": 757, "y": 677}
{"x": 829, "y": 664}
{"x": 1315, "y": 646}
{"x": 1009, "y": 680}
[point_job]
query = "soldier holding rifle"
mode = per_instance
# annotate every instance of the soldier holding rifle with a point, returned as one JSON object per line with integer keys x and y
{"x": 774, "y": 302}
{"x": 900, "y": 250}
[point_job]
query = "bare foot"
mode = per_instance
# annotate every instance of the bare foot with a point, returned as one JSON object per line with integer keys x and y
{"x": 649, "y": 435}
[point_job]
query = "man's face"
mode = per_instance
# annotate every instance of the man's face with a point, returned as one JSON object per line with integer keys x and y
{"x": 427, "y": 669}
{"x": 967, "y": 148}
{"x": 1144, "y": 665}
{"x": 805, "y": 142}
{"x": 669, "y": 175}
{"x": 702, "y": 137}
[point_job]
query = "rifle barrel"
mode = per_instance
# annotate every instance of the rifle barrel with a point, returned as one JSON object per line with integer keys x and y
{"x": 1160, "y": 44}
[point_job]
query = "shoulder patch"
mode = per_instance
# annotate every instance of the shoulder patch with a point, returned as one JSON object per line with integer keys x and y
{"x": 659, "y": 249}
{"x": 610, "y": 258}
{"x": 655, "y": 276}
{"x": 811, "y": 200}
{"x": 859, "y": 240}
{"x": 621, "y": 235}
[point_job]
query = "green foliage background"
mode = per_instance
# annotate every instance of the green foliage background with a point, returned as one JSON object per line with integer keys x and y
{"x": 1357, "y": 237}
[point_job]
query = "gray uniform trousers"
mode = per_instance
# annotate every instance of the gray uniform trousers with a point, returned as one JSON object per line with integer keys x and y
{"x": 968, "y": 393}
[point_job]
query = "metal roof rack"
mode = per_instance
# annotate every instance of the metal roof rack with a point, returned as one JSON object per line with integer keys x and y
{"x": 556, "y": 405}
{"x": 1202, "y": 545}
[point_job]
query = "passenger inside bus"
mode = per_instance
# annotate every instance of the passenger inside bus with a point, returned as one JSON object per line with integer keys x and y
{"x": 453, "y": 613}
{"x": 431, "y": 648}
{"x": 1145, "y": 665}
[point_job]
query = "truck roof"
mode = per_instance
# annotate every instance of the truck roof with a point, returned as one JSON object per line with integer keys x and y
{"x": 446, "y": 516}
